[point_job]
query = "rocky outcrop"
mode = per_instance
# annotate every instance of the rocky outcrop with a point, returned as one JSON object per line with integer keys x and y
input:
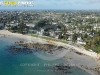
{"x": 21, "y": 46}
{"x": 62, "y": 69}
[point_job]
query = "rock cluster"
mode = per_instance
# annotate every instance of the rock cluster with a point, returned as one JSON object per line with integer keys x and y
{"x": 62, "y": 69}
{"x": 21, "y": 46}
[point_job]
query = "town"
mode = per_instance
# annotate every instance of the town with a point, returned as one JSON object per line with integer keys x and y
{"x": 77, "y": 26}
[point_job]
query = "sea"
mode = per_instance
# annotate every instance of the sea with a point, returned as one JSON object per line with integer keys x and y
{"x": 20, "y": 63}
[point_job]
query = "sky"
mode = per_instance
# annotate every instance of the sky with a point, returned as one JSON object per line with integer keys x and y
{"x": 60, "y": 5}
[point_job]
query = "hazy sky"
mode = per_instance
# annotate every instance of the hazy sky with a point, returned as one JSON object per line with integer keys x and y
{"x": 61, "y": 4}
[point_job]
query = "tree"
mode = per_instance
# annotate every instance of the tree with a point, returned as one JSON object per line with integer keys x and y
{"x": 65, "y": 37}
{"x": 74, "y": 37}
{"x": 41, "y": 24}
{"x": 84, "y": 36}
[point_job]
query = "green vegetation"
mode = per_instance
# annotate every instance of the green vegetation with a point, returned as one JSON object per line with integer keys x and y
{"x": 74, "y": 37}
{"x": 93, "y": 42}
{"x": 48, "y": 38}
{"x": 21, "y": 28}
{"x": 41, "y": 24}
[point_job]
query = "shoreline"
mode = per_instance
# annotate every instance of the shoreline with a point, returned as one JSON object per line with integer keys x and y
{"x": 43, "y": 41}
{"x": 88, "y": 56}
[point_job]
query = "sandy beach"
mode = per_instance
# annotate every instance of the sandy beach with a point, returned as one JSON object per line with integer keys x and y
{"x": 39, "y": 40}
{"x": 86, "y": 61}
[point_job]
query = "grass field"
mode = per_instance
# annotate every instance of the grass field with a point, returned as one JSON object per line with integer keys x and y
{"x": 48, "y": 38}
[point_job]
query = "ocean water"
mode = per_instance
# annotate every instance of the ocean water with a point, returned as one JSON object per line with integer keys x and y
{"x": 28, "y": 64}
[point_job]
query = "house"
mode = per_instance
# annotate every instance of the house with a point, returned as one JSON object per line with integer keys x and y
{"x": 56, "y": 36}
{"x": 80, "y": 41}
{"x": 40, "y": 32}
{"x": 30, "y": 24}
{"x": 70, "y": 38}
{"x": 54, "y": 23}
{"x": 13, "y": 24}
{"x": 52, "y": 33}
{"x": 96, "y": 27}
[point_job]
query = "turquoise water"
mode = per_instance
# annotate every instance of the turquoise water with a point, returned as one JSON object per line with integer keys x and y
{"x": 28, "y": 64}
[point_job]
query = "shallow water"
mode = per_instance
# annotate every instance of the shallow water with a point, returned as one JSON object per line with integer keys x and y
{"x": 28, "y": 64}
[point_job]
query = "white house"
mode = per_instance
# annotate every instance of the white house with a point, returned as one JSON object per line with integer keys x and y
{"x": 80, "y": 41}
{"x": 40, "y": 32}
{"x": 56, "y": 36}
{"x": 70, "y": 38}
{"x": 52, "y": 33}
{"x": 30, "y": 25}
